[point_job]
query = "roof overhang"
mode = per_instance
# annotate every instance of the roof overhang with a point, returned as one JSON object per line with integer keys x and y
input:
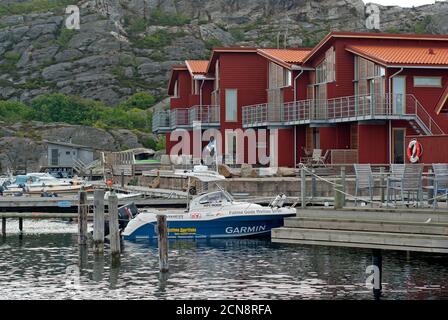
{"x": 217, "y": 51}
{"x": 395, "y": 65}
{"x": 203, "y": 77}
{"x": 367, "y": 35}
{"x": 175, "y": 70}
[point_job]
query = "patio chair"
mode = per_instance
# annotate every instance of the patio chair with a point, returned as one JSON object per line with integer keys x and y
{"x": 440, "y": 180}
{"x": 322, "y": 159}
{"x": 307, "y": 159}
{"x": 317, "y": 155}
{"x": 411, "y": 183}
{"x": 394, "y": 181}
{"x": 364, "y": 180}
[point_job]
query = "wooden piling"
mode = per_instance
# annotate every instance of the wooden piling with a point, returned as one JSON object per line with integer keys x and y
{"x": 162, "y": 228}
{"x": 338, "y": 195}
{"x": 98, "y": 221}
{"x": 83, "y": 209}
{"x": 114, "y": 232}
{"x": 303, "y": 187}
{"x": 21, "y": 225}
{"x": 431, "y": 191}
{"x": 313, "y": 185}
{"x": 3, "y": 226}
{"x": 344, "y": 185}
{"x": 377, "y": 260}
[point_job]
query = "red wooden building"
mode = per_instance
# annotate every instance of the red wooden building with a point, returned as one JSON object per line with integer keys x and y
{"x": 359, "y": 97}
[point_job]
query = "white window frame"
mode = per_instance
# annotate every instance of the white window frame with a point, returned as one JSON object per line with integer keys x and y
{"x": 227, "y": 106}
{"x": 439, "y": 85}
{"x": 176, "y": 89}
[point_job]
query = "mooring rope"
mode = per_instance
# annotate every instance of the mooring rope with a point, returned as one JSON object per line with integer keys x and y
{"x": 304, "y": 167}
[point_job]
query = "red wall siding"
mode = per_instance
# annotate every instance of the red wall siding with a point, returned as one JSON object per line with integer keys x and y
{"x": 286, "y": 147}
{"x": 246, "y": 72}
{"x": 184, "y": 82}
{"x": 427, "y": 96}
{"x": 373, "y": 144}
{"x": 434, "y": 148}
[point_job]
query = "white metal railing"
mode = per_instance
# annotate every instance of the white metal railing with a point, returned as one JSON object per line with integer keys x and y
{"x": 350, "y": 108}
{"x": 166, "y": 120}
{"x": 160, "y": 120}
{"x": 179, "y": 117}
{"x": 207, "y": 115}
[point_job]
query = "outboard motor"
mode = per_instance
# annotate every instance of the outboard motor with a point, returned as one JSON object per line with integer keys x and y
{"x": 125, "y": 214}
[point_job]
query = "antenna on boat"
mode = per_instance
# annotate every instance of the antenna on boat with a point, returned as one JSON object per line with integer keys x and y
{"x": 213, "y": 151}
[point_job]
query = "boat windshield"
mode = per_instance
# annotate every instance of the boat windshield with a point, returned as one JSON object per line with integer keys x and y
{"x": 25, "y": 179}
{"x": 213, "y": 198}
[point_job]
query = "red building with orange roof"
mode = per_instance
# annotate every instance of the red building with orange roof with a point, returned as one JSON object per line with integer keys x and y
{"x": 358, "y": 97}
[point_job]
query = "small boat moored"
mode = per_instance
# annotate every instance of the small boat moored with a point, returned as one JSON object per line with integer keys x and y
{"x": 213, "y": 214}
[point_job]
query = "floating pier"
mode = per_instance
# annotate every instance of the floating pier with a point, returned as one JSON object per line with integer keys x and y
{"x": 393, "y": 229}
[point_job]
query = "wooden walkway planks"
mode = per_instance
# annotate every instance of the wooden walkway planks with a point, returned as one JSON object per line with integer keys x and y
{"x": 400, "y": 229}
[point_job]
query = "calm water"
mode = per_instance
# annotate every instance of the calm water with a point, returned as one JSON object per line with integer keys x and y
{"x": 46, "y": 264}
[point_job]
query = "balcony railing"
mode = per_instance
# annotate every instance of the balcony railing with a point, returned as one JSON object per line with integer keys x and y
{"x": 161, "y": 120}
{"x": 343, "y": 109}
{"x": 208, "y": 115}
{"x": 167, "y": 120}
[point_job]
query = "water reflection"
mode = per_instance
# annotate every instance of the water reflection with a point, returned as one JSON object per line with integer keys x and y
{"x": 35, "y": 267}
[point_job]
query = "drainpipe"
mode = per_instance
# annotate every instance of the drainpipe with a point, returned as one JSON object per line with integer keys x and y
{"x": 390, "y": 111}
{"x": 295, "y": 127}
{"x": 200, "y": 98}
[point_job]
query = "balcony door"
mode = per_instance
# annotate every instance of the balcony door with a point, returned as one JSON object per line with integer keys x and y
{"x": 398, "y": 144}
{"x": 398, "y": 94}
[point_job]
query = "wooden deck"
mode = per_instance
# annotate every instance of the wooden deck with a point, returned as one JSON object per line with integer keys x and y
{"x": 399, "y": 229}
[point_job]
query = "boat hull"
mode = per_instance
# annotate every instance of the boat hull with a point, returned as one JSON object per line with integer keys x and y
{"x": 222, "y": 227}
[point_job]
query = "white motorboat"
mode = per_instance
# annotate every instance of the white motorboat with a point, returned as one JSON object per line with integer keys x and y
{"x": 213, "y": 214}
{"x": 36, "y": 183}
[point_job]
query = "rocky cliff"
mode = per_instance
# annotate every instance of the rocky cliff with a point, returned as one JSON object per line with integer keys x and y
{"x": 124, "y": 46}
{"x": 22, "y": 143}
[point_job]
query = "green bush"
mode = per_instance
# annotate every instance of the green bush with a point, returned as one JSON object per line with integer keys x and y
{"x": 139, "y": 100}
{"x": 158, "y": 17}
{"x": 421, "y": 27}
{"x": 213, "y": 43}
{"x": 14, "y": 111}
{"x": 32, "y": 6}
{"x": 237, "y": 34}
{"x": 132, "y": 114}
{"x": 160, "y": 38}
{"x": 64, "y": 37}
{"x": 136, "y": 24}
{"x": 9, "y": 63}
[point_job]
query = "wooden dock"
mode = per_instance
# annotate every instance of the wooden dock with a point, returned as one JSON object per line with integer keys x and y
{"x": 70, "y": 203}
{"x": 400, "y": 229}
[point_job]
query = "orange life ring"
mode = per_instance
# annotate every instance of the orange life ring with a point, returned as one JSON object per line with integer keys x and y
{"x": 414, "y": 151}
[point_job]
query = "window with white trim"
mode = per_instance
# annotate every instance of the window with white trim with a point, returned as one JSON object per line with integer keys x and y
{"x": 231, "y": 104}
{"x": 176, "y": 89}
{"x": 427, "y": 81}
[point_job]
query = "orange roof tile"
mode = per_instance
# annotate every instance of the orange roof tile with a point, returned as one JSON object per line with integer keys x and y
{"x": 197, "y": 66}
{"x": 285, "y": 56}
{"x": 394, "y": 55}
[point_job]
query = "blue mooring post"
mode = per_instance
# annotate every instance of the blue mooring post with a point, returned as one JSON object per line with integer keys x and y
{"x": 377, "y": 260}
